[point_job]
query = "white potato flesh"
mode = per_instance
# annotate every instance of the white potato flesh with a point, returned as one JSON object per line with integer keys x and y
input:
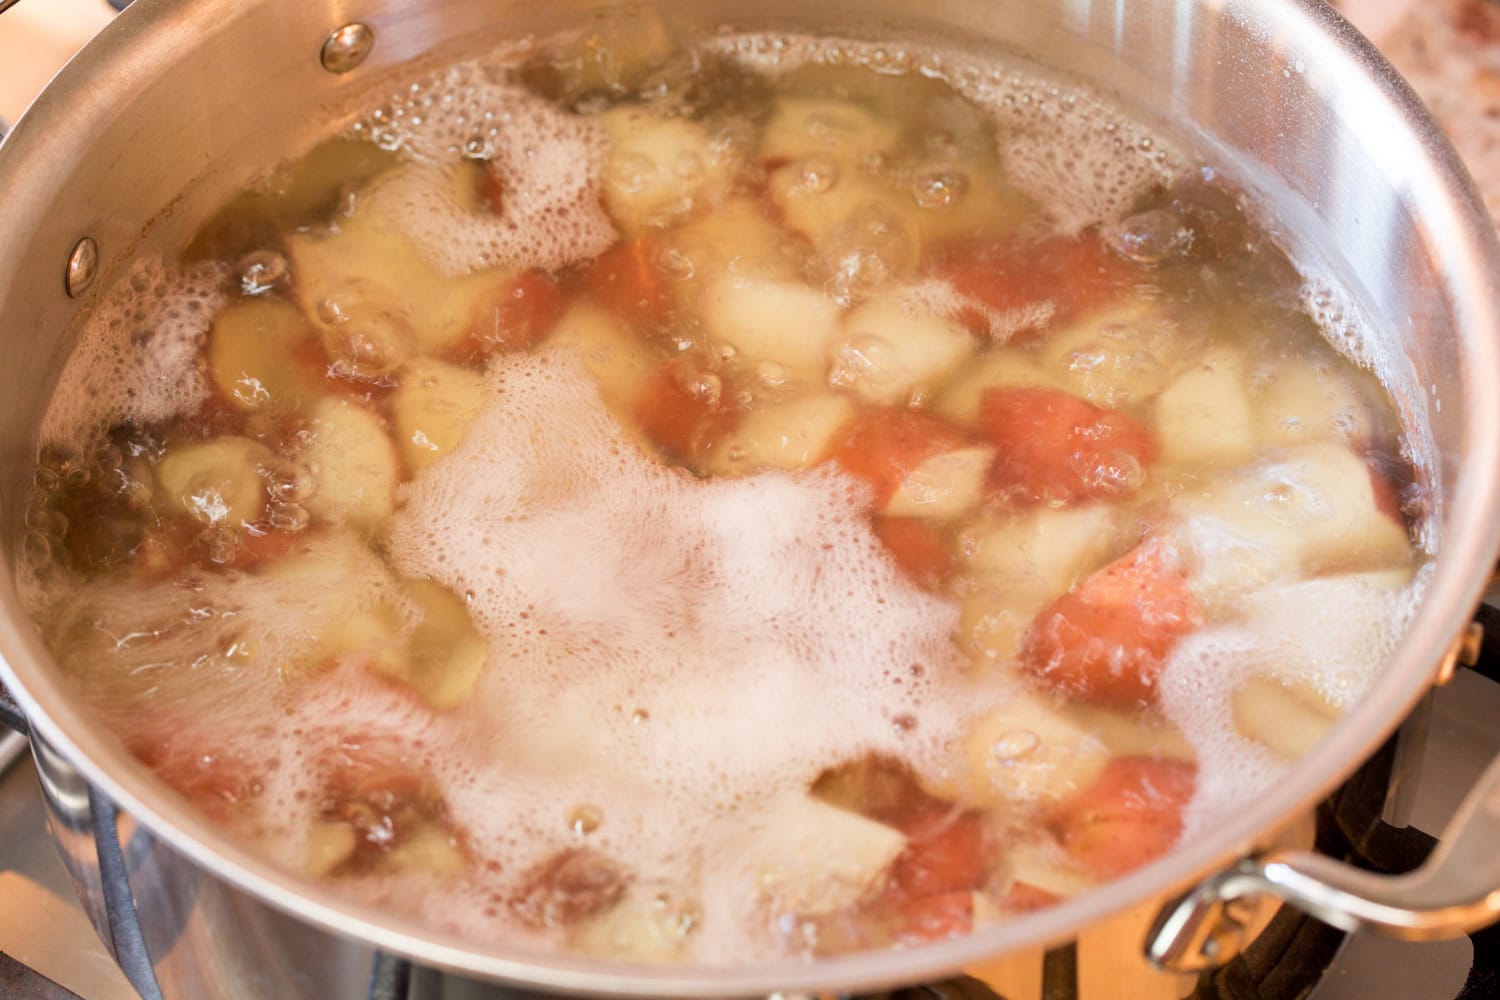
{"x": 1290, "y": 719}
{"x": 795, "y": 434}
{"x": 890, "y": 348}
{"x": 1204, "y": 416}
{"x": 645, "y": 926}
{"x": 366, "y": 279}
{"x": 1121, "y": 356}
{"x": 998, "y": 368}
{"x": 736, "y": 237}
{"x": 1027, "y": 751}
{"x": 1042, "y": 553}
{"x": 329, "y": 844}
{"x": 812, "y": 858}
{"x": 428, "y": 849}
{"x": 992, "y": 622}
{"x": 217, "y": 481}
{"x": 353, "y": 463}
{"x": 944, "y": 487}
{"x": 444, "y": 655}
{"x": 433, "y": 407}
{"x": 248, "y": 351}
{"x": 1297, "y": 404}
{"x": 659, "y": 169}
{"x": 801, "y": 127}
{"x": 1046, "y": 867}
{"x": 1308, "y": 511}
{"x": 784, "y": 323}
{"x": 619, "y": 362}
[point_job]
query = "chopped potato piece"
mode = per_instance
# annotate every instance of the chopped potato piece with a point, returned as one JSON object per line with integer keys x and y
{"x": 1204, "y": 416}
{"x": 658, "y": 169}
{"x": 801, "y": 127}
{"x": 813, "y": 858}
{"x": 329, "y": 844}
{"x": 944, "y": 487}
{"x": 251, "y": 348}
{"x": 1044, "y": 551}
{"x": 992, "y": 623}
{"x": 217, "y": 481}
{"x": 1309, "y": 511}
{"x": 1046, "y": 867}
{"x": 1120, "y": 356}
{"x": 1026, "y": 750}
{"x": 616, "y": 358}
{"x": 353, "y": 463}
{"x": 780, "y": 322}
{"x": 1297, "y": 404}
{"x": 888, "y": 349}
{"x": 792, "y": 435}
{"x": 648, "y": 925}
{"x": 1001, "y": 367}
{"x": 1289, "y": 718}
{"x": 433, "y": 406}
{"x": 429, "y": 849}
{"x": 374, "y": 299}
{"x": 737, "y": 237}
{"x": 445, "y": 655}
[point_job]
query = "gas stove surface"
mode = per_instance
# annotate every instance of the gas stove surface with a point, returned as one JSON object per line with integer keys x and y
{"x": 1450, "y": 49}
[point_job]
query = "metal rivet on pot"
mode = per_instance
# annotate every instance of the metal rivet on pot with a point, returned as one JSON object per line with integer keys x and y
{"x": 83, "y": 264}
{"x": 347, "y": 47}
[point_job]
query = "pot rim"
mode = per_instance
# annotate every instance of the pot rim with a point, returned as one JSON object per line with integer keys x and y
{"x": 1454, "y": 213}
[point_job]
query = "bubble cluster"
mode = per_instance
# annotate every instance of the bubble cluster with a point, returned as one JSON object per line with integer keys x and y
{"x": 136, "y": 357}
{"x": 543, "y": 167}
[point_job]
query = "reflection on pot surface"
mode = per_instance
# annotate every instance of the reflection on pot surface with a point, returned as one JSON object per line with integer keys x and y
{"x": 725, "y": 500}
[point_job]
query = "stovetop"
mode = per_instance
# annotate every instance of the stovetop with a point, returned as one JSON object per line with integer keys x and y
{"x": 1450, "y": 50}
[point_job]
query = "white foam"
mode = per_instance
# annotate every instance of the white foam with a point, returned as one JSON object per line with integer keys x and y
{"x": 136, "y": 356}
{"x": 1075, "y": 154}
{"x": 548, "y": 162}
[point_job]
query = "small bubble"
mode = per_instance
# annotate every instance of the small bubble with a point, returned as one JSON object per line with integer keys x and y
{"x": 261, "y": 270}
{"x": 585, "y": 819}
{"x": 1014, "y": 745}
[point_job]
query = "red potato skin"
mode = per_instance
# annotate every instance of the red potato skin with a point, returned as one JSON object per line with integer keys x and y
{"x": 1026, "y": 898}
{"x": 1130, "y": 816}
{"x": 884, "y": 446}
{"x": 517, "y": 316}
{"x": 683, "y": 425}
{"x": 933, "y": 918}
{"x": 215, "y": 783}
{"x": 626, "y": 280}
{"x": 1073, "y": 273}
{"x": 1105, "y": 641}
{"x": 1053, "y": 447}
{"x": 929, "y": 891}
{"x": 919, "y": 549}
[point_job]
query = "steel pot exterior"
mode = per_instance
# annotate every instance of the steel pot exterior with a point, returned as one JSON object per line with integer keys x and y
{"x": 181, "y": 102}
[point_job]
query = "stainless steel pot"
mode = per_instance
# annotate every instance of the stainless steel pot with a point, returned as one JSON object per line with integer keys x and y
{"x": 181, "y": 102}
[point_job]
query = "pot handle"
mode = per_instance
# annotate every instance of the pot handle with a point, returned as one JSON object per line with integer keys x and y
{"x": 1456, "y": 891}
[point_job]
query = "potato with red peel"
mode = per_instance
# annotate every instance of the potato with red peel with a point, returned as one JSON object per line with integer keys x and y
{"x": 885, "y": 447}
{"x": 1055, "y": 448}
{"x": 1132, "y": 815}
{"x": 1107, "y": 639}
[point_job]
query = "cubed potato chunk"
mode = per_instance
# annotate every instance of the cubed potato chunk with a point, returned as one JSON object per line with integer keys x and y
{"x": 374, "y": 299}
{"x": 648, "y": 925}
{"x": 944, "y": 487}
{"x": 781, "y": 322}
{"x": 432, "y": 407}
{"x": 1045, "y": 551}
{"x": 1288, "y": 718}
{"x": 217, "y": 481}
{"x": 998, "y": 368}
{"x": 813, "y": 858}
{"x": 838, "y": 207}
{"x": 445, "y": 654}
{"x": 1121, "y": 356}
{"x": 430, "y": 850}
{"x": 1310, "y": 511}
{"x": 1298, "y": 404}
{"x": 737, "y": 237}
{"x": 889, "y": 349}
{"x": 802, "y": 127}
{"x": 329, "y": 845}
{"x": 795, "y": 434}
{"x": 992, "y": 622}
{"x": 353, "y": 463}
{"x": 1203, "y": 417}
{"x": 617, "y": 359}
{"x": 1026, "y": 750}
{"x": 1045, "y": 866}
{"x": 250, "y": 355}
{"x": 659, "y": 169}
